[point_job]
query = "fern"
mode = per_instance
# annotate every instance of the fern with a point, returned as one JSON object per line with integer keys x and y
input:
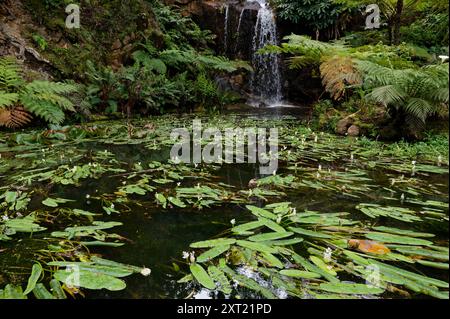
{"x": 41, "y": 98}
{"x": 420, "y": 93}
{"x": 338, "y": 73}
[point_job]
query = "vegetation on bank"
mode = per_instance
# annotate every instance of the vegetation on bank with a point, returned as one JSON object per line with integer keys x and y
{"x": 146, "y": 58}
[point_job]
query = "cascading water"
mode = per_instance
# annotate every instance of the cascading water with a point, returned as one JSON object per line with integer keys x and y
{"x": 266, "y": 82}
{"x": 227, "y": 14}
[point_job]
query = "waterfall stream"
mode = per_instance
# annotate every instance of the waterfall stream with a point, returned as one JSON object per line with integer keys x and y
{"x": 225, "y": 40}
{"x": 266, "y": 82}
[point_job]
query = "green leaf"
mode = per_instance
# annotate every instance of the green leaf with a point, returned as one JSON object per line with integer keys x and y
{"x": 261, "y": 212}
{"x": 89, "y": 280}
{"x": 202, "y": 276}
{"x": 212, "y": 253}
{"x": 36, "y": 273}
{"x": 351, "y": 289}
{"x": 396, "y": 239}
{"x": 213, "y": 243}
{"x": 299, "y": 274}
{"x": 257, "y": 246}
{"x": 270, "y": 236}
{"x": 321, "y": 264}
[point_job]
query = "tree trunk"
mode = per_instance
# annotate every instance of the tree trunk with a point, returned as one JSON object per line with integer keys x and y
{"x": 397, "y": 22}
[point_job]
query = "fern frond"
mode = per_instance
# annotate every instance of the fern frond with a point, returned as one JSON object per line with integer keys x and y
{"x": 37, "y": 87}
{"x": 10, "y": 74}
{"x": 14, "y": 117}
{"x": 338, "y": 73}
{"x": 50, "y": 112}
{"x": 387, "y": 95}
{"x": 8, "y": 99}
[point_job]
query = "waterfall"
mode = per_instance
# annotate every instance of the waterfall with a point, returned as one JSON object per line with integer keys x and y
{"x": 266, "y": 79}
{"x": 227, "y": 14}
{"x": 238, "y": 32}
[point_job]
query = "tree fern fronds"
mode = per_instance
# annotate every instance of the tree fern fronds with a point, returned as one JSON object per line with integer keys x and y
{"x": 419, "y": 108}
{"x": 386, "y": 95}
{"x": 338, "y": 73}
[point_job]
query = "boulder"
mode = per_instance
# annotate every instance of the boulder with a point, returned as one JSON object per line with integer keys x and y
{"x": 343, "y": 125}
{"x": 353, "y": 130}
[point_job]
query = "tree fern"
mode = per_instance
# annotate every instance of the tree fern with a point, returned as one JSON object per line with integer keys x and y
{"x": 420, "y": 93}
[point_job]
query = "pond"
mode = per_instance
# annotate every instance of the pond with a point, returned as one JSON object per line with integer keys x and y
{"x": 342, "y": 217}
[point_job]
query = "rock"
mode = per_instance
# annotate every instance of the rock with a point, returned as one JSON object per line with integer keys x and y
{"x": 343, "y": 125}
{"x": 353, "y": 130}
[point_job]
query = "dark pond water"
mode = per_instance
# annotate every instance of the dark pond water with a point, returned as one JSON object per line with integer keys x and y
{"x": 157, "y": 237}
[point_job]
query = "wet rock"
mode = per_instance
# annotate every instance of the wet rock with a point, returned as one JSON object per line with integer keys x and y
{"x": 343, "y": 125}
{"x": 353, "y": 130}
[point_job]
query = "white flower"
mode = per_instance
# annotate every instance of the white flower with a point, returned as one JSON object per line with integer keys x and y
{"x": 402, "y": 198}
{"x": 274, "y": 173}
{"x": 112, "y": 206}
{"x": 413, "y": 163}
{"x": 294, "y": 211}
{"x": 146, "y": 272}
{"x": 178, "y": 184}
{"x": 185, "y": 255}
{"x": 233, "y": 221}
{"x": 320, "y": 167}
{"x": 5, "y": 217}
{"x": 443, "y": 58}
{"x": 88, "y": 196}
{"x": 278, "y": 219}
{"x": 192, "y": 257}
{"x": 327, "y": 254}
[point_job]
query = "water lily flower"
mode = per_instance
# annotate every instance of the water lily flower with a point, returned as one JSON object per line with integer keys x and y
{"x": 192, "y": 257}
{"x": 443, "y": 58}
{"x": 327, "y": 254}
{"x": 146, "y": 272}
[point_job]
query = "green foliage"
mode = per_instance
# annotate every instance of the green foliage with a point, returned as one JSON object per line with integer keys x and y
{"x": 318, "y": 14}
{"x": 420, "y": 93}
{"x": 41, "y": 98}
